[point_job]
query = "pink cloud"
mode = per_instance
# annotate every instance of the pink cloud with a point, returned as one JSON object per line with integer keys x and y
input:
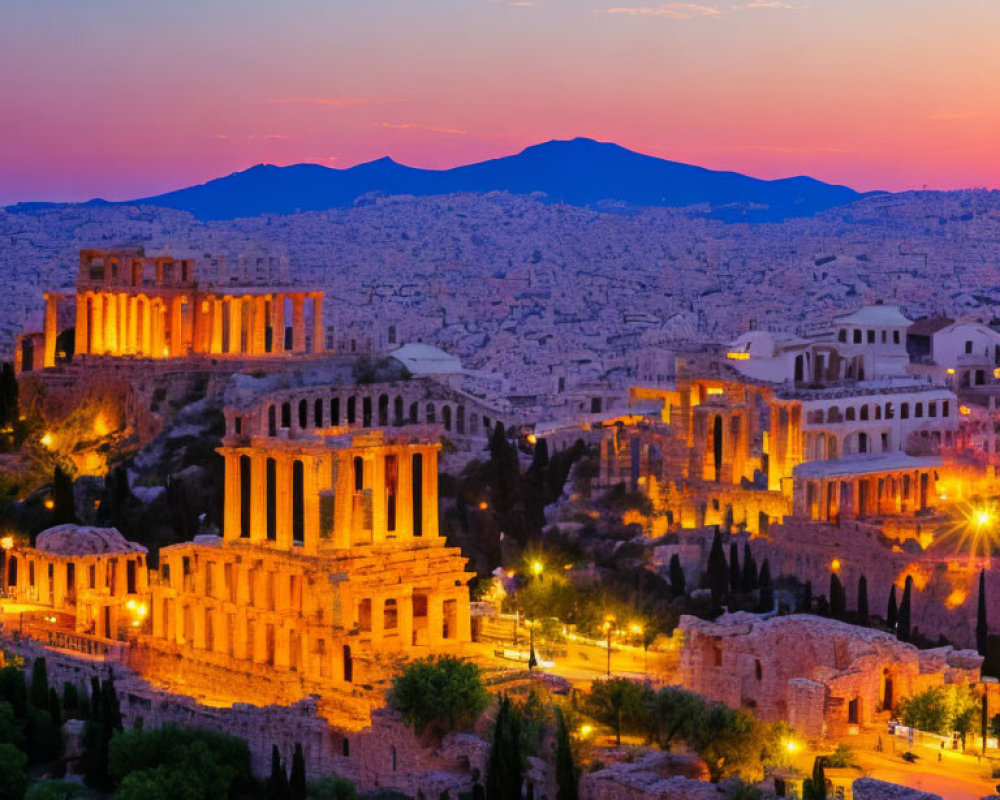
{"x": 673, "y": 10}
{"x": 332, "y": 101}
{"x": 416, "y": 126}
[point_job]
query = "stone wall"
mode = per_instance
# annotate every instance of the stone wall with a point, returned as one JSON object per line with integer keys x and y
{"x": 386, "y": 754}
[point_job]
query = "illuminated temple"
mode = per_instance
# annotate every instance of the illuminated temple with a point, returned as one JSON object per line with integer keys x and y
{"x": 128, "y": 303}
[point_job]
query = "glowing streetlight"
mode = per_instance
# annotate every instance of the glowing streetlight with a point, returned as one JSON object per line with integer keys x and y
{"x": 49, "y": 503}
{"x": 483, "y": 505}
{"x": 537, "y": 567}
{"x": 586, "y": 730}
{"x": 532, "y": 439}
{"x": 7, "y": 542}
{"x": 791, "y": 746}
{"x": 835, "y": 565}
{"x": 46, "y": 440}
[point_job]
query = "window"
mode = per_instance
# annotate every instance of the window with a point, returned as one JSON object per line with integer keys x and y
{"x": 842, "y": 335}
{"x": 286, "y": 415}
{"x": 885, "y": 442}
{"x": 918, "y": 410}
{"x": 303, "y": 413}
{"x": 884, "y": 337}
{"x": 864, "y": 412}
{"x": 850, "y": 415}
{"x": 904, "y": 411}
{"x": 968, "y": 346}
{"x": 359, "y": 474}
{"x": 871, "y": 337}
{"x": 857, "y": 337}
{"x": 932, "y": 409}
{"x": 895, "y": 337}
{"x": 945, "y": 408}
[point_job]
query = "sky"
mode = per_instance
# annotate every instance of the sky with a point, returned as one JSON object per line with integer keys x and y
{"x": 128, "y": 98}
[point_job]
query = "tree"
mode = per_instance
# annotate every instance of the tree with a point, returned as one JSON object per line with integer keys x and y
{"x": 929, "y": 710}
{"x": 64, "y": 510}
{"x": 622, "y": 704}
{"x": 903, "y": 620}
{"x": 332, "y": 789}
{"x": 728, "y": 740}
{"x": 982, "y": 629}
{"x": 567, "y": 775}
{"x": 748, "y": 582}
{"x": 8, "y": 395}
{"x": 505, "y": 770}
{"x": 39, "y": 693}
{"x": 277, "y": 783}
{"x": 443, "y": 692}
{"x": 56, "y": 790}
{"x": 766, "y": 588}
{"x": 297, "y": 781}
{"x": 676, "y": 576}
{"x": 13, "y": 774}
{"x": 734, "y": 568}
{"x": 892, "y": 614}
{"x": 837, "y": 597}
{"x": 965, "y": 708}
{"x": 718, "y": 573}
{"x": 814, "y": 788}
{"x": 807, "y": 598}
{"x": 675, "y": 712}
{"x": 863, "y": 616}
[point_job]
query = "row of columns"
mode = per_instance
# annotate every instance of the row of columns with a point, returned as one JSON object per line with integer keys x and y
{"x": 367, "y": 515}
{"x": 173, "y": 325}
{"x": 828, "y": 500}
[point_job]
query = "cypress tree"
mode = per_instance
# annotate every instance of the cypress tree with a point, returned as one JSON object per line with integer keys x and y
{"x": 807, "y": 598}
{"x": 892, "y": 614}
{"x": 676, "y": 576}
{"x": 982, "y": 630}
{"x": 863, "y": 617}
{"x": 504, "y": 775}
{"x": 8, "y": 395}
{"x": 277, "y": 783}
{"x": 837, "y": 598}
{"x": 814, "y": 788}
{"x": 297, "y": 782}
{"x": 748, "y": 581}
{"x": 718, "y": 573}
{"x": 71, "y": 698}
{"x": 734, "y": 568}
{"x": 62, "y": 493}
{"x": 566, "y": 773}
{"x": 903, "y": 621}
{"x": 766, "y": 589}
{"x": 55, "y": 707}
{"x": 39, "y": 693}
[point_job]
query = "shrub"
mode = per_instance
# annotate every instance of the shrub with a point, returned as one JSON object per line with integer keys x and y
{"x": 443, "y": 693}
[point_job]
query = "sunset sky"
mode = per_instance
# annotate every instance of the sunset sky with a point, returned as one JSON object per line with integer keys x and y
{"x": 124, "y": 98}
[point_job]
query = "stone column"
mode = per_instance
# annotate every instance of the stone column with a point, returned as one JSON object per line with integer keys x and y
{"x": 146, "y": 320}
{"x": 319, "y": 331}
{"x": 133, "y": 324}
{"x": 310, "y": 505}
{"x": 81, "y": 345}
{"x": 215, "y": 342}
{"x": 278, "y": 324}
{"x": 51, "y": 328}
{"x": 298, "y": 323}
{"x": 463, "y": 617}
{"x": 343, "y": 504}
{"x": 123, "y": 337}
{"x": 176, "y": 327}
{"x": 379, "y": 521}
{"x": 258, "y": 497}
{"x": 235, "y": 324}
{"x": 430, "y": 493}
{"x": 283, "y": 510}
{"x": 97, "y": 323}
{"x": 111, "y": 325}
{"x": 404, "y": 495}
{"x": 231, "y": 508}
{"x": 259, "y": 325}
{"x": 378, "y": 618}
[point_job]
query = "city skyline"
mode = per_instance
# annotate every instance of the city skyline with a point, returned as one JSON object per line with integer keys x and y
{"x": 121, "y": 101}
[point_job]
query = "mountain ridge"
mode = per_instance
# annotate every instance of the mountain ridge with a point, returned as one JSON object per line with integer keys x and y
{"x": 578, "y": 172}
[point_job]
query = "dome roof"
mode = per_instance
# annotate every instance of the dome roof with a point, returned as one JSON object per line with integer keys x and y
{"x": 84, "y": 540}
{"x": 876, "y": 315}
{"x": 424, "y": 359}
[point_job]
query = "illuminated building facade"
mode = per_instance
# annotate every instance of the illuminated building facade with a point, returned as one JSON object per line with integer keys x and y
{"x": 128, "y": 303}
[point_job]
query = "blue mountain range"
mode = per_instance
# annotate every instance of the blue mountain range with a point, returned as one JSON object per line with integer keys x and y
{"x": 580, "y": 172}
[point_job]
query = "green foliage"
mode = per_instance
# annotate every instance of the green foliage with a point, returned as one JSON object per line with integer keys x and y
{"x": 384, "y": 370}
{"x": 982, "y": 629}
{"x": 219, "y": 762}
{"x": 505, "y": 770}
{"x": 863, "y": 616}
{"x": 332, "y": 788}
{"x": 746, "y": 791}
{"x": 718, "y": 573}
{"x": 277, "y": 787}
{"x": 56, "y": 790}
{"x": 11, "y": 731}
{"x": 62, "y": 493}
{"x": 892, "y": 612}
{"x": 903, "y": 620}
{"x": 842, "y": 757}
{"x": 675, "y": 712}
{"x": 445, "y": 693}
{"x": 677, "y": 576}
{"x": 39, "y": 694}
{"x": 930, "y": 710}
{"x": 297, "y": 780}
{"x": 838, "y": 604}
{"x": 43, "y": 735}
{"x": 748, "y": 581}
{"x": 729, "y": 741}
{"x": 766, "y": 587}
{"x": 622, "y": 704}
{"x": 13, "y": 775}
{"x": 814, "y": 788}
{"x": 567, "y": 774}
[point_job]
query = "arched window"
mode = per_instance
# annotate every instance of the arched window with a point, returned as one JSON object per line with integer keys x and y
{"x": 303, "y": 413}
{"x": 864, "y": 412}
{"x": 414, "y": 413}
{"x": 446, "y": 417}
{"x": 430, "y": 413}
{"x": 383, "y": 410}
{"x": 850, "y": 414}
{"x": 460, "y": 419}
{"x": 318, "y": 412}
{"x": 286, "y": 415}
{"x": 904, "y": 410}
{"x": 272, "y": 421}
{"x": 352, "y": 410}
{"x": 366, "y": 412}
{"x": 918, "y": 411}
{"x": 878, "y": 411}
{"x": 334, "y": 410}
{"x": 398, "y": 410}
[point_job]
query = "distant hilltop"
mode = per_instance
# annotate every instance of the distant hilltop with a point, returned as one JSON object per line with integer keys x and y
{"x": 579, "y": 172}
